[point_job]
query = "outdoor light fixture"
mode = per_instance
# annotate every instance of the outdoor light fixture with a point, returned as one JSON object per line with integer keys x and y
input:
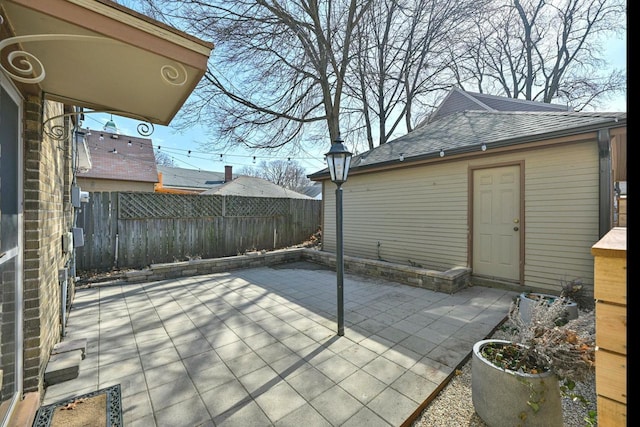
{"x": 402, "y": 157}
{"x": 339, "y": 160}
{"x": 483, "y": 147}
{"x": 441, "y": 153}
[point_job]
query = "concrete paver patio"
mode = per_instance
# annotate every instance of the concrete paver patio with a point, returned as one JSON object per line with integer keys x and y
{"x": 258, "y": 347}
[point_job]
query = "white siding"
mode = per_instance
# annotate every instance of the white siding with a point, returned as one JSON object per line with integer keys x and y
{"x": 419, "y": 215}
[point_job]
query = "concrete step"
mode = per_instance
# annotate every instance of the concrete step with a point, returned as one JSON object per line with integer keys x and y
{"x": 63, "y": 367}
{"x": 65, "y": 346}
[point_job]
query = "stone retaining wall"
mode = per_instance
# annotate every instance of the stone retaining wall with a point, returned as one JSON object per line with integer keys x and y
{"x": 449, "y": 281}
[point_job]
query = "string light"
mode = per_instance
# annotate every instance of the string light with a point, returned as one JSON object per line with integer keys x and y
{"x": 441, "y": 153}
{"x": 402, "y": 157}
{"x": 220, "y": 157}
{"x": 129, "y": 143}
{"x": 254, "y": 160}
{"x": 483, "y": 147}
{"x": 101, "y": 137}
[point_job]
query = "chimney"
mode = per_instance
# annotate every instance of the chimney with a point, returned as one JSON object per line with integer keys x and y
{"x": 228, "y": 175}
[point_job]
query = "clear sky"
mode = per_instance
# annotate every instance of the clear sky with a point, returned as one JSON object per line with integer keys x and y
{"x": 184, "y": 148}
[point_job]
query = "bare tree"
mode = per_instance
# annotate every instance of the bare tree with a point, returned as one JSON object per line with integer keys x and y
{"x": 278, "y": 67}
{"x": 164, "y": 159}
{"x": 284, "y": 73}
{"x": 543, "y": 50}
{"x": 285, "y": 173}
{"x": 401, "y": 60}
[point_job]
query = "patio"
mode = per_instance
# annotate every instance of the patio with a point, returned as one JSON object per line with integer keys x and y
{"x": 259, "y": 347}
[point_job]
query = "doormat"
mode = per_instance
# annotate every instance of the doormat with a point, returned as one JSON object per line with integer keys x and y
{"x": 102, "y": 408}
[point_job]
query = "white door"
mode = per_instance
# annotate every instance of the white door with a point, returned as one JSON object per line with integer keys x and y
{"x": 496, "y": 222}
{"x": 11, "y": 306}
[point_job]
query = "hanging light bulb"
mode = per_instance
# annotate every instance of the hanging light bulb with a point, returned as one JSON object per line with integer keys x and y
{"x": 189, "y": 153}
{"x": 483, "y": 147}
{"x": 220, "y": 157}
{"x": 402, "y": 157}
{"x": 129, "y": 143}
{"x": 441, "y": 153}
{"x": 101, "y": 137}
{"x": 254, "y": 160}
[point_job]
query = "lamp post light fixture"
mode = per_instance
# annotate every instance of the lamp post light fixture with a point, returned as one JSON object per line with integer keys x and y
{"x": 339, "y": 160}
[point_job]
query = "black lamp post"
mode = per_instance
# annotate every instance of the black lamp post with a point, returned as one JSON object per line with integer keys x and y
{"x": 339, "y": 160}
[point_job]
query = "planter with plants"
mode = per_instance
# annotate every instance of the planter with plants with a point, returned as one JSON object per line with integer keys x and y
{"x": 570, "y": 295}
{"x": 520, "y": 380}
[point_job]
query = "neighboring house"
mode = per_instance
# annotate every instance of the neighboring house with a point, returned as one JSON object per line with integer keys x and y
{"x": 516, "y": 197}
{"x": 118, "y": 162}
{"x": 314, "y": 190}
{"x": 190, "y": 181}
{"x": 40, "y": 110}
{"x": 460, "y": 100}
{"x": 250, "y": 186}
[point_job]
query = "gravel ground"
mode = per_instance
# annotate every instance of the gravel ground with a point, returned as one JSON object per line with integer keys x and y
{"x": 453, "y": 406}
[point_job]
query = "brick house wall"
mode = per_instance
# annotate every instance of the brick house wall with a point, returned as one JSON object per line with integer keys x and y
{"x": 48, "y": 214}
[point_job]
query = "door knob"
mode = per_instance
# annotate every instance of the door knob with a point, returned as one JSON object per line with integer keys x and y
{"x": 515, "y": 228}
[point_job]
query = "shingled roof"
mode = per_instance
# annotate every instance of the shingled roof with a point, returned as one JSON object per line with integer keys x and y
{"x": 459, "y": 100}
{"x": 254, "y": 187}
{"x": 118, "y": 157}
{"x": 466, "y": 131}
{"x": 195, "y": 179}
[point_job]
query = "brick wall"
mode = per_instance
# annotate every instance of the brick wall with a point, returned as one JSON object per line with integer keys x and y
{"x": 47, "y": 215}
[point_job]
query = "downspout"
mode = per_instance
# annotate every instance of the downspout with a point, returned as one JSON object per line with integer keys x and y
{"x": 606, "y": 182}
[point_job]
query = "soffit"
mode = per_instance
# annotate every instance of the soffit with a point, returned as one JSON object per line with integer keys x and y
{"x": 100, "y": 55}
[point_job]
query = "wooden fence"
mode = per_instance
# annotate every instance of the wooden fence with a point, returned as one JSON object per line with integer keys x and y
{"x": 134, "y": 230}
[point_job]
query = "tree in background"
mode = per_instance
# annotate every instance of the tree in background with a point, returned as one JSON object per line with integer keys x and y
{"x": 542, "y": 50}
{"x": 163, "y": 159}
{"x": 277, "y": 71}
{"x": 287, "y": 174}
{"x": 401, "y": 62}
{"x": 290, "y": 73}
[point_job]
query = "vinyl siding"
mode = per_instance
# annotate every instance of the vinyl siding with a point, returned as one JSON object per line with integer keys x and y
{"x": 562, "y": 209}
{"x": 419, "y": 214}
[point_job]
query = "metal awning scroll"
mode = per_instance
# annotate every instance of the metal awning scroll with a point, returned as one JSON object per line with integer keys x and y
{"x": 99, "y": 55}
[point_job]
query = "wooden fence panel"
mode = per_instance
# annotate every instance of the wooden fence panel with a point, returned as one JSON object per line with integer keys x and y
{"x": 133, "y": 230}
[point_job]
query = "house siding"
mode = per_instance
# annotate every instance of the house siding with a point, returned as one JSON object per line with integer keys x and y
{"x": 417, "y": 214}
{"x": 47, "y": 215}
{"x": 420, "y": 214}
{"x": 562, "y": 211}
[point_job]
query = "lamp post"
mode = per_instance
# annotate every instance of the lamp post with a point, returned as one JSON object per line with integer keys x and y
{"x": 339, "y": 160}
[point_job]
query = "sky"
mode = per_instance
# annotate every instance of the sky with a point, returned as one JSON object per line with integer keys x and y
{"x": 184, "y": 148}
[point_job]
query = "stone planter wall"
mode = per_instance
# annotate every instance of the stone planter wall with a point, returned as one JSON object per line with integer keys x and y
{"x": 449, "y": 281}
